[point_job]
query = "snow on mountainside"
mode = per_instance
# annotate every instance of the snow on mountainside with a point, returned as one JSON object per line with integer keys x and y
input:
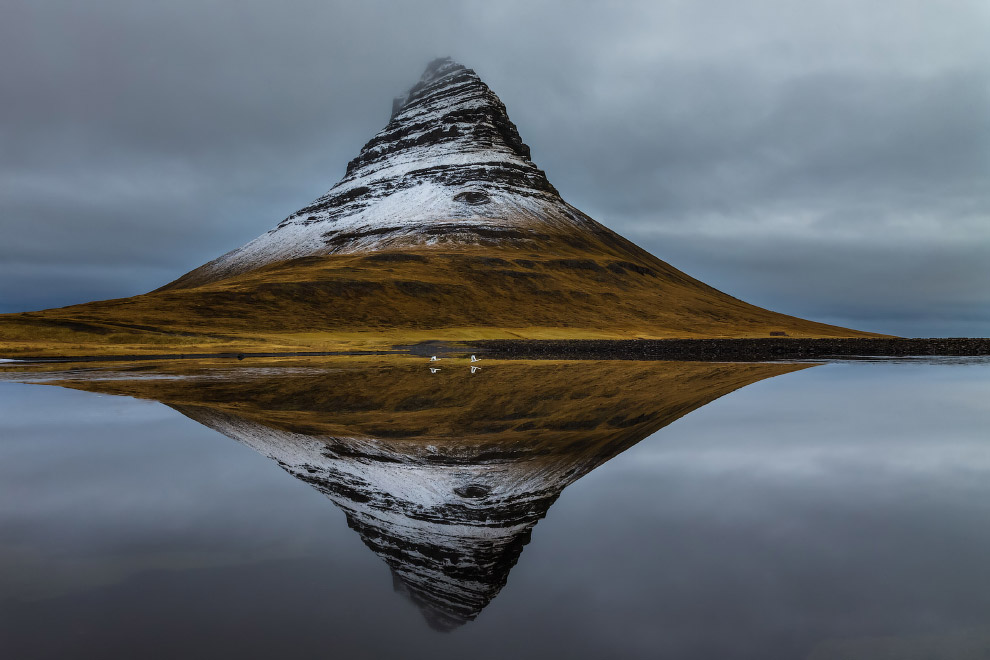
{"x": 449, "y": 167}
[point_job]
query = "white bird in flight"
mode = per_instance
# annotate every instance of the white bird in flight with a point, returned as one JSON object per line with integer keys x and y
{"x": 434, "y": 359}
{"x": 474, "y": 359}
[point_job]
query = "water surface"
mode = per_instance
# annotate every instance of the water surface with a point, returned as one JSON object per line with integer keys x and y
{"x": 370, "y": 508}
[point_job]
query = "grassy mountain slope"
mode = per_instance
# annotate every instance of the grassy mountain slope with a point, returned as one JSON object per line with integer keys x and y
{"x": 376, "y": 299}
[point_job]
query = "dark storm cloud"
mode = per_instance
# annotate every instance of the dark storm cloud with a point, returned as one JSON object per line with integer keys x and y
{"x": 824, "y": 159}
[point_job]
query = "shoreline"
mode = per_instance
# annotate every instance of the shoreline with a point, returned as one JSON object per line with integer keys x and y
{"x": 734, "y": 350}
{"x": 702, "y": 350}
{"x": 185, "y": 356}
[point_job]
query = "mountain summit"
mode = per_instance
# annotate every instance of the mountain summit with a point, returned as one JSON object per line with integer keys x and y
{"x": 442, "y": 228}
{"x": 449, "y": 167}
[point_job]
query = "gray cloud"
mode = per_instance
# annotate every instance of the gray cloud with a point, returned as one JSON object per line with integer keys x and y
{"x": 826, "y": 159}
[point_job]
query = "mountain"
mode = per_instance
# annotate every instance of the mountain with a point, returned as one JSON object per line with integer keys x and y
{"x": 443, "y": 475}
{"x": 448, "y": 169}
{"x": 442, "y": 228}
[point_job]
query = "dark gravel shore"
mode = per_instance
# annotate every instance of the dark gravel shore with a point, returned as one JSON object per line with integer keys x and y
{"x": 726, "y": 349}
{"x": 735, "y": 350}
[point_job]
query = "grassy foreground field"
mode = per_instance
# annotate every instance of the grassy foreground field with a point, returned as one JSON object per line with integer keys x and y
{"x": 376, "y": 300}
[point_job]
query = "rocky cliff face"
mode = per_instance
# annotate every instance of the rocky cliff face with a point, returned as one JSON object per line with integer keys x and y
{"x": 450, "y": 167}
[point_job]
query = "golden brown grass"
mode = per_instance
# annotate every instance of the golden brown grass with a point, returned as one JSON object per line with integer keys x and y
{"x": 342, "y": 302}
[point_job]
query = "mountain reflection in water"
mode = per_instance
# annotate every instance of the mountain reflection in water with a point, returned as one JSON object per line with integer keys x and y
{"x": 444, "y": 474}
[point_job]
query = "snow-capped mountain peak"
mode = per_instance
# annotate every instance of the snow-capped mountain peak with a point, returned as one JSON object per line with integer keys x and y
{"x": 449, "y": 167}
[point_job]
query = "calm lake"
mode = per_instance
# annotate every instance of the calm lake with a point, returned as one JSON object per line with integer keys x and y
{"x": 372, "y": 508}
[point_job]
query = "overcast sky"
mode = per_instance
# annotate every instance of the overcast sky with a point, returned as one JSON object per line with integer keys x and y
{"x": 824, "y": 159}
